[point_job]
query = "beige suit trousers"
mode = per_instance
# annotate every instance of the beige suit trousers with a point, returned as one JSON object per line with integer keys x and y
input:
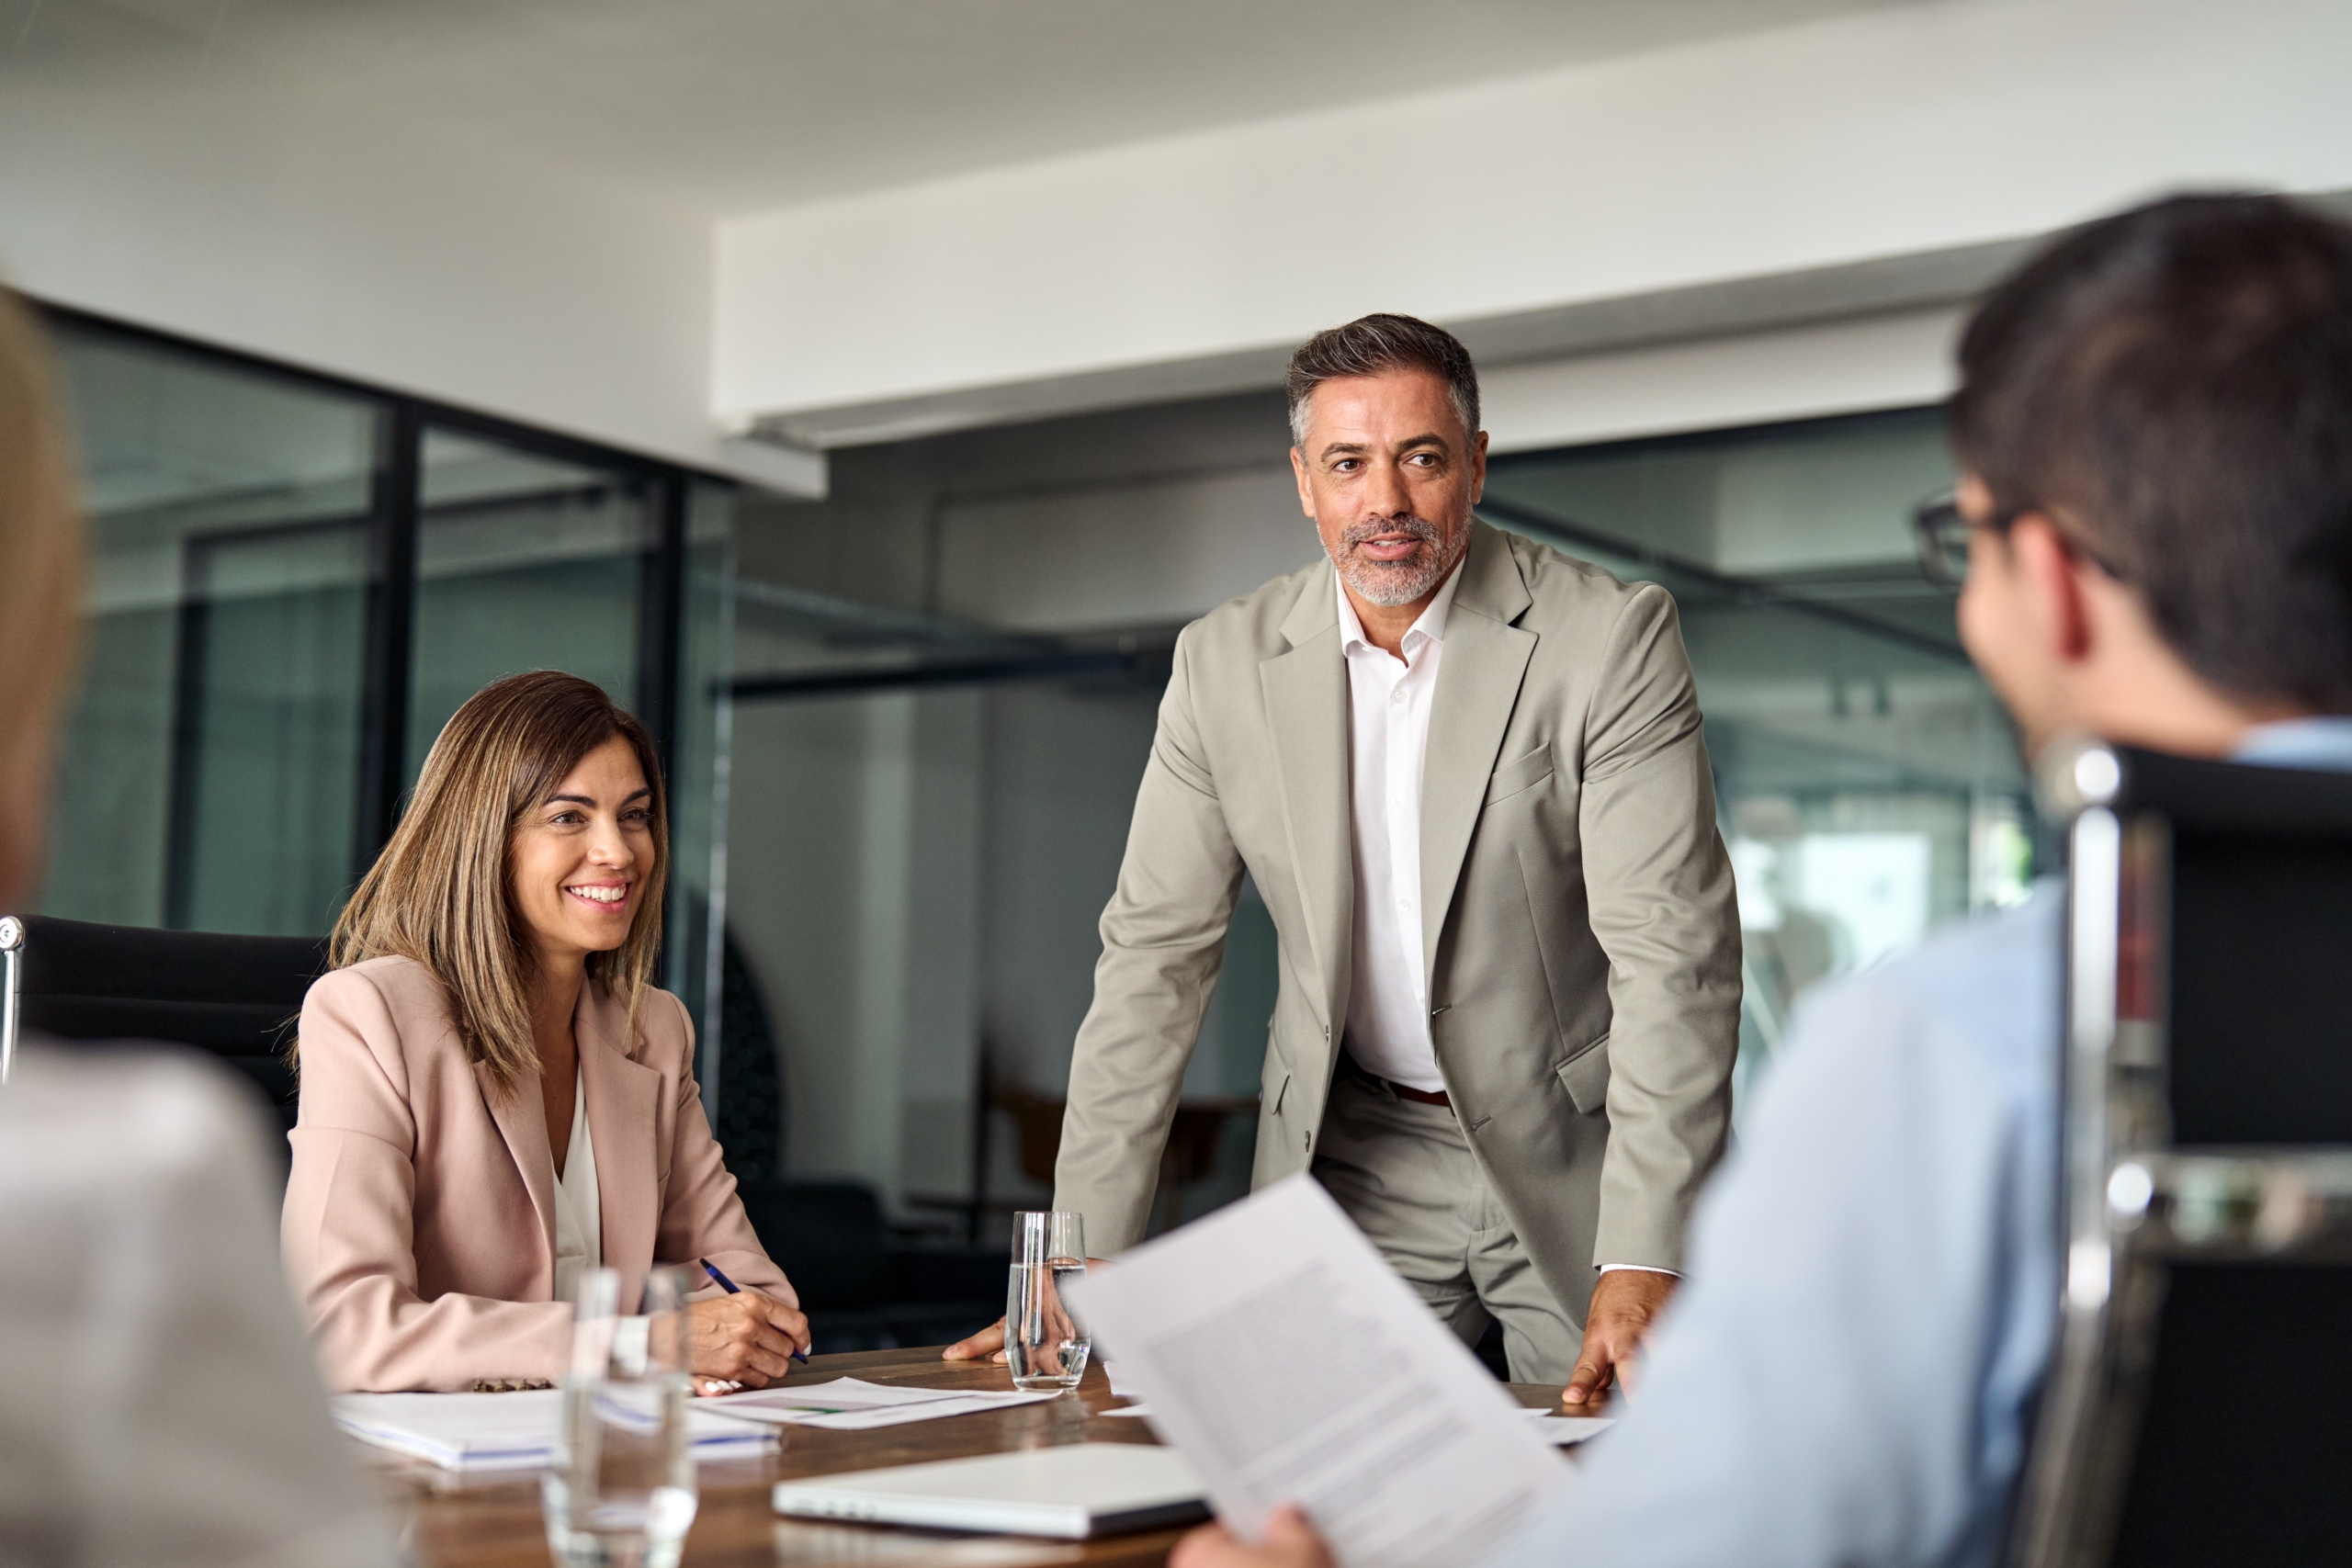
{"x": 1405, "y": 1174}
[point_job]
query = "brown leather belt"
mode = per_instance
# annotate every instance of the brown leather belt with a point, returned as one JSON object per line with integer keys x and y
{"x": 1402, "y": 1091}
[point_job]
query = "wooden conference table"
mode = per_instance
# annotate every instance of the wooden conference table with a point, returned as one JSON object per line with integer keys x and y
{"x": 493, "y": 1522}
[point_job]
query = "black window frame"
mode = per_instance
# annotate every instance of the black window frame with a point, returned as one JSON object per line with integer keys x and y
{"x": 394, "y": 517}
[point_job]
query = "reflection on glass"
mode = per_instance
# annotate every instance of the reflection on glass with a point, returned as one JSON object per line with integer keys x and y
{"x": 523, "y": 562}
{"x": 698, "y": 783}
{"x": 266, "y": 749}
{"x": 1869, "y": 783}
{"x": 209, "y": 768}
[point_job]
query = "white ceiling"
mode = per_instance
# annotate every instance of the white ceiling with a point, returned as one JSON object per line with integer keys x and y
{"x": 735, "y": 105}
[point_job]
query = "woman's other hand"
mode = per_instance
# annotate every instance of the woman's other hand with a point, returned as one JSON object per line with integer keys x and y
{"x": 744, "y": 1337}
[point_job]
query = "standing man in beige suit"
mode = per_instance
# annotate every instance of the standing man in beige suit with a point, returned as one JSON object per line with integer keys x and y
{"x": 1467, "y": 775}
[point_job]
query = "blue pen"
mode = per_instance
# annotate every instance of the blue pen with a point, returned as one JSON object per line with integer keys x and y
{"x": 732, "y": 1289}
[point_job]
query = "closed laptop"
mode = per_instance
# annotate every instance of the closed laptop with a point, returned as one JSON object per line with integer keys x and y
{"x": 1073, "y": 1491}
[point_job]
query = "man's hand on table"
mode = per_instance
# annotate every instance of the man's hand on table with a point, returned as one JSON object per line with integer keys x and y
{"x": 744, "y": 1339}
{"x": 1289, "y": 1542}
{"x": 1625, "y": 1303}
{"x": 989, "y": 1342}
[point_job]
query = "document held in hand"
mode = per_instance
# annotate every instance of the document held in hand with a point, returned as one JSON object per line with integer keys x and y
{"x": 1291, "y": 1364}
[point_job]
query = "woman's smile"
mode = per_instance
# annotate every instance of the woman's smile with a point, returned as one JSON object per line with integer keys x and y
{"x": 604, "y": 897}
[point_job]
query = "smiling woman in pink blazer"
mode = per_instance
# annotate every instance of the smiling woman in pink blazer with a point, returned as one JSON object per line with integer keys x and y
{"x": 494, "y": 1095}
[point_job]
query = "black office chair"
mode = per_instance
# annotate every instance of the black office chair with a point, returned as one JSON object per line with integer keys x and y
{"x": 862, "y": 1285}
{"x": 236, "y": 997}
{"x": 2198, "y": 1409}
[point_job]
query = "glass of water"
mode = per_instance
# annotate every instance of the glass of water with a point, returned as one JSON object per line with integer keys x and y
{"x": 621, "y": 1493}
{"x": 1044, "y": 1342}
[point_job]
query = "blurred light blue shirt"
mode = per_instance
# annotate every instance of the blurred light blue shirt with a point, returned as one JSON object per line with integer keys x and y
{"x": 1846, "y": 1378}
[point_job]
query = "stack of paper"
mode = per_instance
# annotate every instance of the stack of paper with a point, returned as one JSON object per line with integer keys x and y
{"x": 503, "y": 1432}
{"x": 851, "y": 1404}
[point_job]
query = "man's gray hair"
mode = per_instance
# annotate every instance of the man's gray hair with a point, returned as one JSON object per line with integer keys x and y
{"x": 1370, "y": 346}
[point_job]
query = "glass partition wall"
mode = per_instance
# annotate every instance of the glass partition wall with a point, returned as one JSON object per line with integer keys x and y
{"x": 1869, "y": 782}
{"x": 932, "y": 811}
{"x": 210, "y": 769}
{"x": 295, "y": 582}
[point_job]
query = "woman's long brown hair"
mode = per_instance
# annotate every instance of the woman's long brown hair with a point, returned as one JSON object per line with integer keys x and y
{"x": 442, "y": 892}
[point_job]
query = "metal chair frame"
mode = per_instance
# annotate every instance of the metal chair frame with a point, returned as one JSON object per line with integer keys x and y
{"x": 12, "y": 947}
{"x": 2131, "y": 1203}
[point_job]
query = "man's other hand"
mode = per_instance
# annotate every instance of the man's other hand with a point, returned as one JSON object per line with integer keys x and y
{"x": 1291, "y": 1542}
{"x": 1625, "y": 1303}
{"x": 989, "y": 1342}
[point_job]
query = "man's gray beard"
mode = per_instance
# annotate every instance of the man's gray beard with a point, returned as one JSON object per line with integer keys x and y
{"x": 1390, "y": 583}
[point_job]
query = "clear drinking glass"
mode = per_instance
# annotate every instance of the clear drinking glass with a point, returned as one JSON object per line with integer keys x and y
{"x": 622, "y": 1491}
{"x": 1045, "y": 1344}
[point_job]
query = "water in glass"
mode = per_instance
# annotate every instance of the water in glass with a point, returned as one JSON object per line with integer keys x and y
{"x": 621, "y": 1493}
{"x": 1044, "y": 1341}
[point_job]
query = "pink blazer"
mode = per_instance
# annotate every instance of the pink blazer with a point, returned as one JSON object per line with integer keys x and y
{"x": 419, "y": 1226}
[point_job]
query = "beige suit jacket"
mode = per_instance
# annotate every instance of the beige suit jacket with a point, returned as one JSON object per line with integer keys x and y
{"x": 419, "y": 1226}
{"x": 1580, "y": 941}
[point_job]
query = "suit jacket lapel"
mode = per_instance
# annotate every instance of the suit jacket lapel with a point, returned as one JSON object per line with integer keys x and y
{"x": 1478, "y": 686}
{"x": 522, "y": 1120}
{"x": 1306, "y": 706}
{"x": 623, "y": 1101}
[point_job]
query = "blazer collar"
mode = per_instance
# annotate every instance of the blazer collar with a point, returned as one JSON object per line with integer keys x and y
{"x": 1491, "y": 584}
{"x": 1305, "y": 694}
{"x": 1477, "y": 690}
{"x": 521, "y": 1116}
{"x": 1317, "y": 608}
{"x": 623, "y": 1101}
{"x": 623, "y": 1096}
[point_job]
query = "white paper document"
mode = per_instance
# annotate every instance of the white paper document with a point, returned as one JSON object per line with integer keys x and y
{"x": 1290, "y": 1364}
{"x": 503, "y": 1432}
{"x": 851, "y": 1404}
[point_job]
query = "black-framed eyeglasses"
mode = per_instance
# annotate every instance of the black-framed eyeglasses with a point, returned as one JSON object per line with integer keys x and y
{"x": 1941, "y": 531}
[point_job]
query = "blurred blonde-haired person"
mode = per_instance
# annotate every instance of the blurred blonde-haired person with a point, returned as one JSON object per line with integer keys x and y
{"x": 494, "y": 1095}
{"x": 158, "y": 1404}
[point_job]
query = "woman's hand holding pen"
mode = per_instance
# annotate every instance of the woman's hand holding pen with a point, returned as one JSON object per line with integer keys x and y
{"x": 744, "y": 1339}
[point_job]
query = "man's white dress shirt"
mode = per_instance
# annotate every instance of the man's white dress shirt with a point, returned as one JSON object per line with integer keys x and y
{"x": 1388, "y": 732}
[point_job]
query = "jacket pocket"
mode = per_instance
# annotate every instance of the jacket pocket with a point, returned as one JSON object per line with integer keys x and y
{"x": 1273, "y": 1082}
{"x": 1519, "y": 774}
{"x": 1586, "y": 1077}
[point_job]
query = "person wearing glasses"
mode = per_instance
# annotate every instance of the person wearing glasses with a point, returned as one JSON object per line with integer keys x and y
{"x": 2153, "y": 539}
{"x": 496, "y": 1097}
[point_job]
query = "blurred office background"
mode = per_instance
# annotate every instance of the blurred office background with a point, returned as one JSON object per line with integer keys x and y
{"x": 867, "y": 393}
